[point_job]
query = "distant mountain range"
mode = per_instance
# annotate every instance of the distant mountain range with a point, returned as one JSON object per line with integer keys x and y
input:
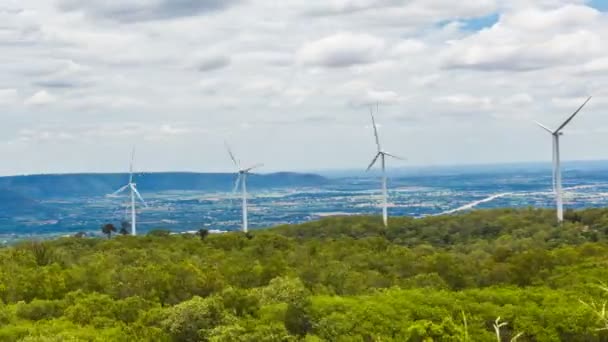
{"x": 21, "y": 189}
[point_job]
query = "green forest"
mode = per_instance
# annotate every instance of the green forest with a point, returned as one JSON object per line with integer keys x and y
{"x": 486, "y": 275}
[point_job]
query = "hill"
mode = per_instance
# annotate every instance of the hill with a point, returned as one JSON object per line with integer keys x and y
{"x": 93, "y": 184}
{"x": 338, "y": 279}
{"x": 13, "y": 204}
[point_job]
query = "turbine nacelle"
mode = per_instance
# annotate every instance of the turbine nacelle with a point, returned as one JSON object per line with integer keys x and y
{"x": 249, "y": 169}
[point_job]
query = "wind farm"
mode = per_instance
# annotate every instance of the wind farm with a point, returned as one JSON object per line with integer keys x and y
{"x": 406, "y": 192}
{"x": 298, "y": 198}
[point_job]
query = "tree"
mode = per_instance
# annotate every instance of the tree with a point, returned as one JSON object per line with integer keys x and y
{"x": 108, "y": 229}
{"x": 192, "y": 320}
{"x": 125, "y": 227}
{"x": 41, "y": 251}
{"x": 202, "y": 233}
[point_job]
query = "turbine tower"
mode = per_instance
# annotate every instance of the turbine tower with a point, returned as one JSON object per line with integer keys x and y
{"x": 557, "y": 172}
{"x": 241, "y": 180}
{"x": 134, "y": 193}
{"x": 381, "y": 154}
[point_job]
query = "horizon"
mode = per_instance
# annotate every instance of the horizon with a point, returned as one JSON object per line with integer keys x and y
{"x": 349, "y": 172}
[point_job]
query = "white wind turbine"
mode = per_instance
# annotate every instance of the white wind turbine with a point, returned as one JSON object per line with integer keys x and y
{"x": 381, "y": 154}
{"x": 557, "y": 173}
{"x": 133, "y": 189}
{"x": 241, "y": 180}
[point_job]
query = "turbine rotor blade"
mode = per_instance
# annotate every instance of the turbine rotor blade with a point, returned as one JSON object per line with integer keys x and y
{"x": 138, "y": 195}
{"x": 253, "y": 167}
{"x": 131, "y": 165}
{"x": 573, "y": 115}
{"x": 375, "y": 130}
{"x": 394, "y": 156}
{"x": 544, "y": 127}
{"x": 236, "y": 183}
{"x": 374, "y": 161}
{"x": 236, "y": 163}
{"x": 120, "y": 190}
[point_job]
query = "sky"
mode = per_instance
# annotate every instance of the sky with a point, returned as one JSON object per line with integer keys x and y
{"x": 290, "y": 83}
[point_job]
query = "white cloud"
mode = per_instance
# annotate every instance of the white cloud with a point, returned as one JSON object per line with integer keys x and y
{"x": 465, "y": 100}
{"x": 68, "y": 75}
{"x": 596, "y": 65}
{"x": 520, "y": 99}
{"x": 8, "y": 95}
{"x": 568, "y": 102}
{"x": 143, "y": 10}
{"x": 407, "y": 47}
{"x": 403, "y": 13}
{"x": 566, "y": 18}
{"x": 41, "y": 98}
{"x": 169, "y": 75}
{"x": 43, "y": 136}
{"x": 531, "y": 39}
{"x": 169, "y": 129}
{"x": 349, "y": 6}
{"x": 264, "y": 87}
{"x": 372, "y": 97}
{"x": 341, "y": 50}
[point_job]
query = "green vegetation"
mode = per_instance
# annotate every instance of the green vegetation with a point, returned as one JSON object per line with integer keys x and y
{"x": 339, "y": 279}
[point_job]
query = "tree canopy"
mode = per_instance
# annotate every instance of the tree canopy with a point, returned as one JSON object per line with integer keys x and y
{"x": 445, "y": 278}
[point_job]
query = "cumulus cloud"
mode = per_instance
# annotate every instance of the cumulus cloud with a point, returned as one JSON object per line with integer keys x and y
{"x": 103, "y": 102}
{"x": 465, "y": 100}
{"x": 520, "y": 99}
{"x": 566, "y": 18}
{"x": 43, "y": 136}
{"x": 363, "y": 93}
{"x": 341, "y": 50}
{"x": 531, "y": 39}
{"x": 407, "y": 48}
{"x": 373, "y": 96}
{"x": 264, "y": 87}
{"x": 406, "y": 12}
{"x": 568, "y": 102}
{"x": 68, "y": 75}
{"x": 333, "y": 7}
{"x": 41, "y": 98}
{"x": 159, "y": 71}
{"x": 144, "y": 10}
{"x": 595, "y": 66}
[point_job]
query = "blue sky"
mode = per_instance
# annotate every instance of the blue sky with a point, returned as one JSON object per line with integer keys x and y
{"x": 290, "y": 84}
{"x": 601, "y": 5}
{"x": 478, "y": 23}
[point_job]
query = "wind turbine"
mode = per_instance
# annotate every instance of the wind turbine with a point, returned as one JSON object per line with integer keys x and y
{"x": 557, "y": 172}
{"x": 381, "y": 154}
{"x": 133, "y": 189}
{"x": 241, "y": 180}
